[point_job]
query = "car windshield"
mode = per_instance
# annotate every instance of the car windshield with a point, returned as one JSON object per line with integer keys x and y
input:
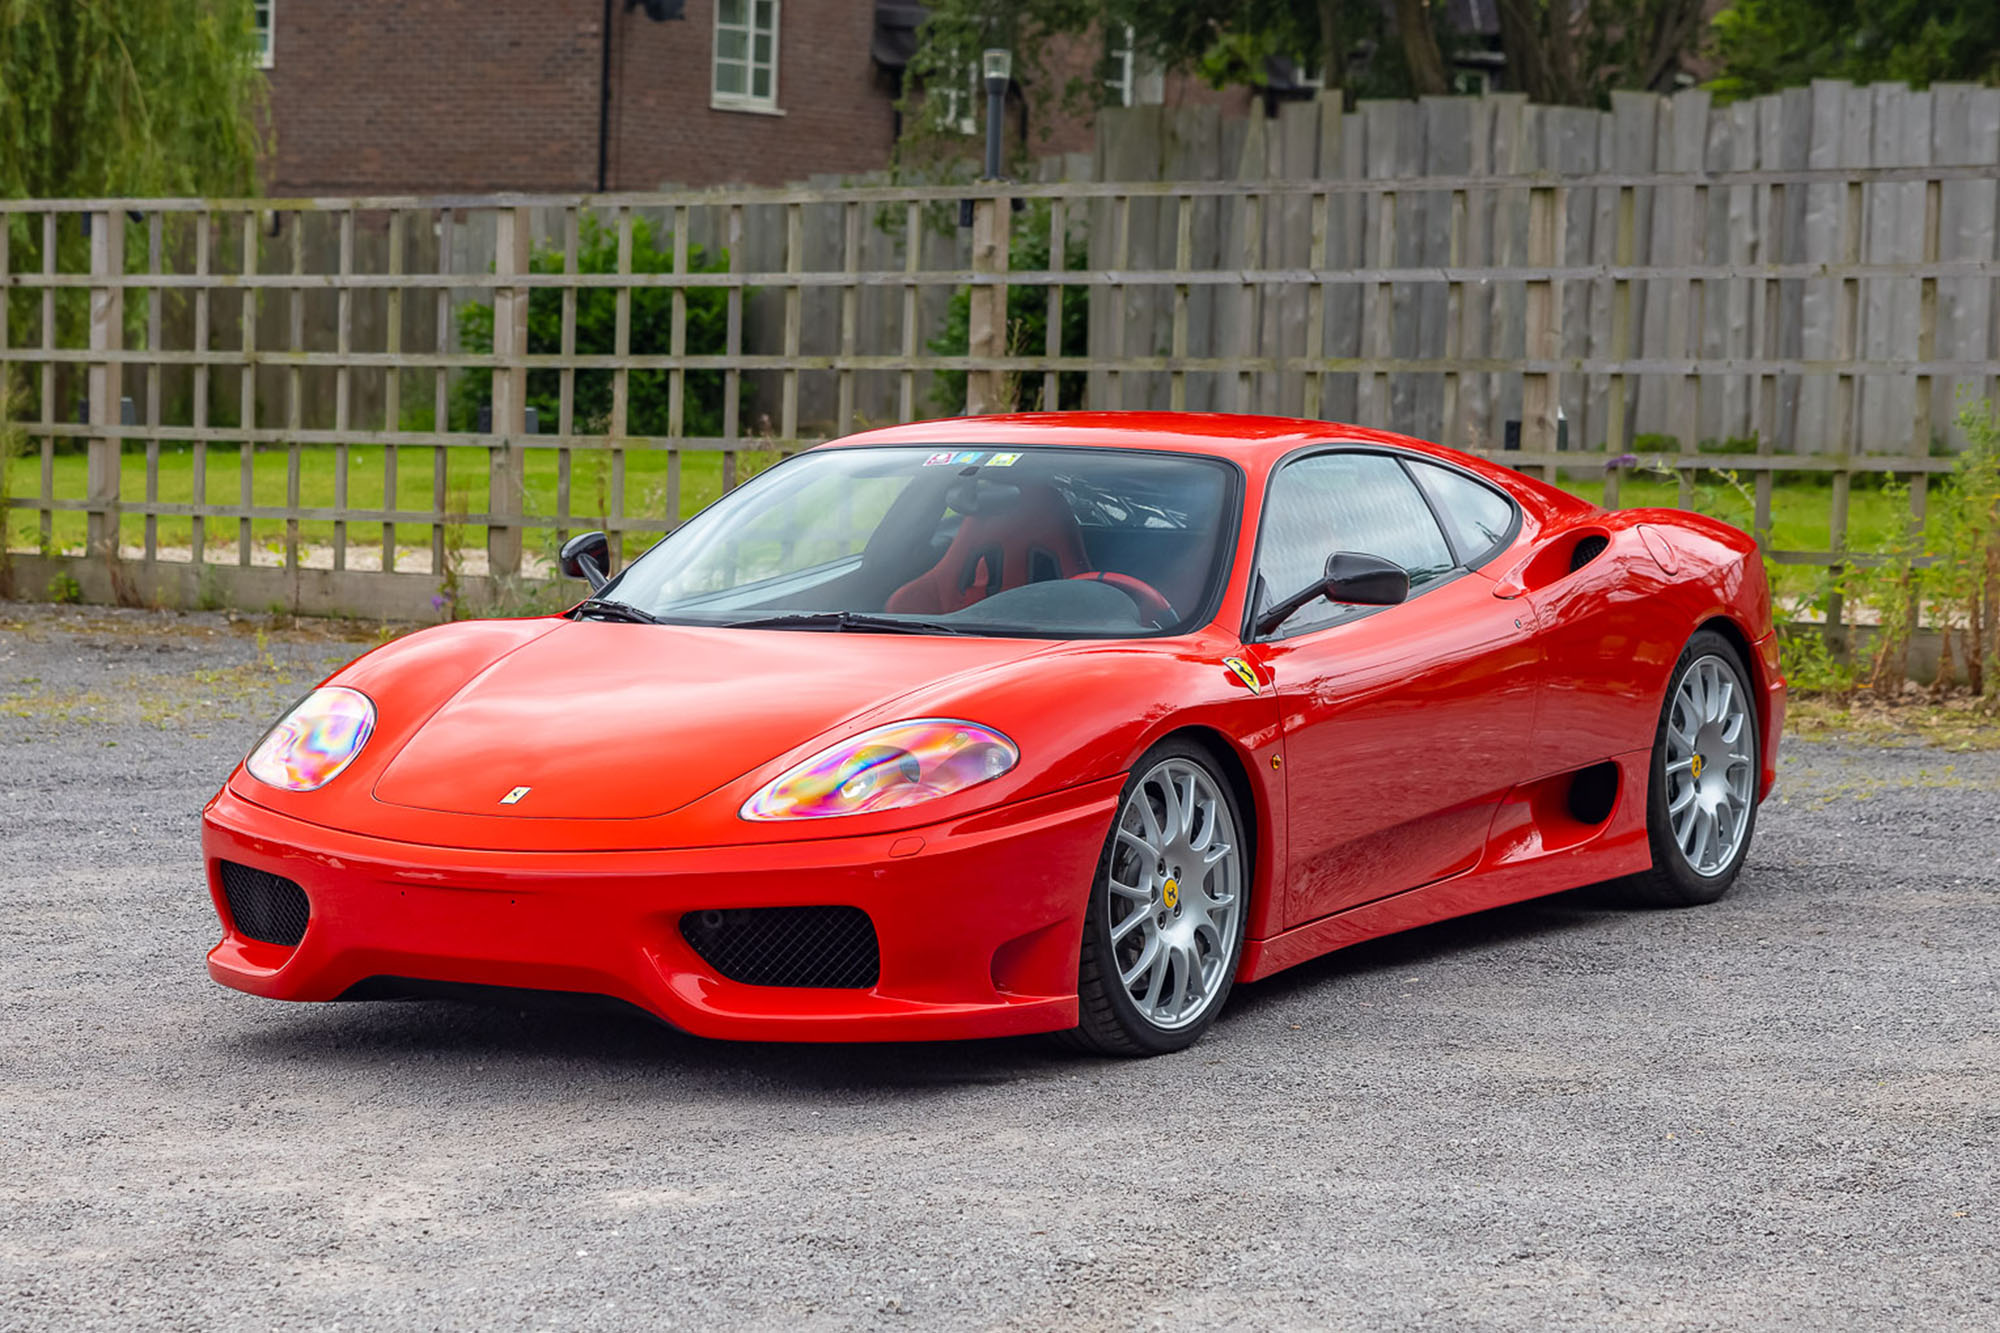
{"x": 1042, "y": 542}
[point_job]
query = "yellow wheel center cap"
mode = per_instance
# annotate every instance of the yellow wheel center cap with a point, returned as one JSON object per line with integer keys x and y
{"x": 1695, "y": 765}
{"x": 1170, "y": 893}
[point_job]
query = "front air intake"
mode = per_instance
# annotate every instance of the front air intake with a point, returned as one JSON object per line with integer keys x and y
{"x": 787, "y": 946}
{"x": 264, "y": 906}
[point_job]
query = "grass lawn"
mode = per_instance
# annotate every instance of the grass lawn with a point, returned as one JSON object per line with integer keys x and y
{"x": 646, "y": 480}
{"x": 1801, "y": 514}
{"x": 1799, "y": 507}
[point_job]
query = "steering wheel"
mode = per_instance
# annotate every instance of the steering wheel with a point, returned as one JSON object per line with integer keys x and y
{"x": 1155, "y": 611}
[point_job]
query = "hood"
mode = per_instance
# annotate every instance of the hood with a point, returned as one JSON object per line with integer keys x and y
{"x": 603, "y": 720}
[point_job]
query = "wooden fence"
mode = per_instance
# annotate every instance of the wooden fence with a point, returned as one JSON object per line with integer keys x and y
{"x": 287, "y": 403}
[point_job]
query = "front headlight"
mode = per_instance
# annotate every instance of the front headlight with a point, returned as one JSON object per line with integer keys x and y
{"x": 315, "y": 741}
{"x": 887, "y": 768}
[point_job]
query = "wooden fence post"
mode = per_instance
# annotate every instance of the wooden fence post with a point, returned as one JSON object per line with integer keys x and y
{"x": 507, "y": 470}
{"x": 1617, "y": 440}
{"x": 986, "y": 389}
{"x": 107, "y": 334}
{"x": 1540, "y": 393}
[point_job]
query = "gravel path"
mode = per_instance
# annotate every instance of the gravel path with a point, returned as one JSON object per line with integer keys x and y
{"x": 1780, "y": 1111}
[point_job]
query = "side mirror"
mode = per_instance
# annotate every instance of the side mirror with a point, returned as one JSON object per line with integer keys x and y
{"x": 1352, "y": 579}
{"x": 587, "y": 556}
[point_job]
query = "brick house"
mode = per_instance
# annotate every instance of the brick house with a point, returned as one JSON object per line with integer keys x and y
{"x": 428, "y": 96}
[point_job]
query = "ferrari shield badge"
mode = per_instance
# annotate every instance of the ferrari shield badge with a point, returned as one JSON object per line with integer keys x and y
{"x": 1245, "y": 674}
{"x": 514, "y": 797}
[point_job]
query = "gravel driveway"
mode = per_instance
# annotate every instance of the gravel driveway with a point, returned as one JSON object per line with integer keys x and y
{"x": 1780, "y": 1111}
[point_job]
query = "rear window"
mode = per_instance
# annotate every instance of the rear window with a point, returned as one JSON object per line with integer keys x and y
{"x": 1480, "y": 518}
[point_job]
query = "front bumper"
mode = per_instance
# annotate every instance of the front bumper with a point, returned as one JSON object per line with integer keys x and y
{"x": 1772, "y": 681}
{"x": 978, "y": 919}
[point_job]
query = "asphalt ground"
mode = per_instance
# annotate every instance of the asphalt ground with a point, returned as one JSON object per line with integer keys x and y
{"x": 1777, "y": 1112}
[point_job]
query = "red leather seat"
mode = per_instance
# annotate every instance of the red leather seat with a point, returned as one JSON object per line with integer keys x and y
{"x": 1030, "y": 540}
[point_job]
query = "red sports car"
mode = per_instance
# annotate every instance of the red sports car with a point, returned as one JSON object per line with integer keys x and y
{"x": 1018, "y": 724}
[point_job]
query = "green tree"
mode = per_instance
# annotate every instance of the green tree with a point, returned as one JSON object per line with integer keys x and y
{"x": 1576, "y": 54}
{"x": 117, "y": 98}
{"x": 596, "y": 335}
{"x": 1564, "y": 51}
{"x": 1765, "y": 45}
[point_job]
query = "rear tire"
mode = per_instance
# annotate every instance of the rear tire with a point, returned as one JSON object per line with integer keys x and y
{"x": 1701, "y": 800}
{"x": 1163, "y": 934}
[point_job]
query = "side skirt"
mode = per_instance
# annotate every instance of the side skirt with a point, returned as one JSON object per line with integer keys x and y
{"x": 1535, "y": 849}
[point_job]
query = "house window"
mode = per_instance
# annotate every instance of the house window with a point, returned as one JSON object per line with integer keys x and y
{"x": 746, "y": 55}
{"x": 260, "y": 22}
{"x": 955, "y": 102}
{"x": 1131, "y": 77}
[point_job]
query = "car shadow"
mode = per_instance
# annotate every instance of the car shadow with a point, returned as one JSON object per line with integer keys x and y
{"x": 588, "y": 1036}
{"x": 1496, "y": 927}
{"x": 582, "y": 1036}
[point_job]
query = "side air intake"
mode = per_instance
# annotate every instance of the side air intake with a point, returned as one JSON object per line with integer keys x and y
{"x": 1586, "y": 550}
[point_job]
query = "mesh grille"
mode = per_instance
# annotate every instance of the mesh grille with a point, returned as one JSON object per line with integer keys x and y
{"x": 787, "y": 946}
{"x": 264, "y": 906}
{"x": 1586, "y": 551}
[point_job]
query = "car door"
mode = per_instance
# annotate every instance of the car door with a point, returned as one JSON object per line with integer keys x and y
{"x": 1404, "y": 725}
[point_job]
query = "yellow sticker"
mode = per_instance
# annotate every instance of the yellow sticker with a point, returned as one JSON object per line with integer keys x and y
{"x": 1003, "y": 460}
{"x": 1244, "y": 672}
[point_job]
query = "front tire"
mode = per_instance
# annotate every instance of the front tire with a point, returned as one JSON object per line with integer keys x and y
{"x": 1701, "y": 804}
{"x": 1164, "y": 930}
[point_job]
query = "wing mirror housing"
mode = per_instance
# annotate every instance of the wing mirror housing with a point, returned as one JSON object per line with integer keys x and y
{"x": 1352, "y": 579}
{"x": 587, "y": 556}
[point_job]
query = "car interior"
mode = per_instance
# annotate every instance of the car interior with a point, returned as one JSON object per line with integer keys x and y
{"x": 1072, "y": 540}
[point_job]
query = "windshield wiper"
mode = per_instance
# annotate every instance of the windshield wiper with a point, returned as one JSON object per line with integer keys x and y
{"x": 604, "y": 608}
{"x": 846, "y": 620}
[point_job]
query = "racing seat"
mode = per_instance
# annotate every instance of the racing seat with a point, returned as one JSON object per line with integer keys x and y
{"x": 1026, "y": 538}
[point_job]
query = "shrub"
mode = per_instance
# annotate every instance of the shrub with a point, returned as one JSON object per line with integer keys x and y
{"x": 1949, "y": 573}
{"x": 1027, "y": 321}
{"x": 596, "y": 334}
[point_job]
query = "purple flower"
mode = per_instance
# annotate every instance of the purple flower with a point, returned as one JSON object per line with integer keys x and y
{"x": 1623, "y": 460}
{"x": 437, "y": 601}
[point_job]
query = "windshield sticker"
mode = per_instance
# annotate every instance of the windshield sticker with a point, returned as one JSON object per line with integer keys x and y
{"x": 939, "y": 460}
{"x": 1003, "y": 460}
{"x": 1245, "y": 674}
{"x": 968, "y": 458}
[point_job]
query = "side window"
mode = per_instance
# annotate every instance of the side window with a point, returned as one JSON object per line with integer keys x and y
{"x": 1480, "y": 516}
{"x": 1344, "y": 502}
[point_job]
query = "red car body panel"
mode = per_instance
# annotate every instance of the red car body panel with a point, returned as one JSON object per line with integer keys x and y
{"x": 1396, "y": 769}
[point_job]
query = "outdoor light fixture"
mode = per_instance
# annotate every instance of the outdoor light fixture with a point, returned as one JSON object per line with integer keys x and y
{"x": 998, "y": 66}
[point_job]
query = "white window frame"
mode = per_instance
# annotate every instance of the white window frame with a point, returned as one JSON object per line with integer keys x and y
{"x": 264, "y": 22}
{"x": 1138, "y": 81}
{"x": 1120, "y": 83}
{"x": 958, "y": 106}
{"x": 746, "y": 100}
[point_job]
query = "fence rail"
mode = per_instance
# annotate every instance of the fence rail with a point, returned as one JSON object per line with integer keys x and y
{"x": 373, "y": 404}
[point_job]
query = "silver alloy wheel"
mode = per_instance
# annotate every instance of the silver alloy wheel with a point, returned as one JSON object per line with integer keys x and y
{"x": 1711, "y": 771}
{"x": 1174, "y": 888}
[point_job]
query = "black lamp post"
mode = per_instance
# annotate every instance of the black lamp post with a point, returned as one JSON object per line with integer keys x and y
{"x": 998, "y": 67}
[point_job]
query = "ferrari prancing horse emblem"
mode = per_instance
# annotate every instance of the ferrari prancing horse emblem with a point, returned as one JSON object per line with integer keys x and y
{"x": 1244, "y": 672}
{"x": 514, "y": 797}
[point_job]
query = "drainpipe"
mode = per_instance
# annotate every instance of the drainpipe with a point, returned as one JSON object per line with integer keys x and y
{"x": 604, "y": 101}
